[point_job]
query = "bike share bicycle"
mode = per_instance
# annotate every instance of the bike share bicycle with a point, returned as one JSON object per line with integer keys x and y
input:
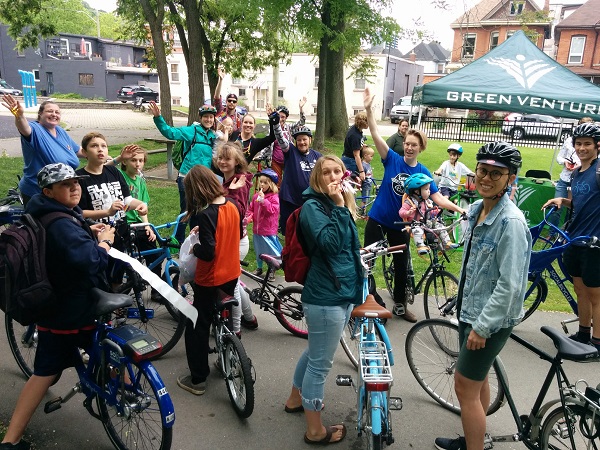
{"x": 368, "y": 347}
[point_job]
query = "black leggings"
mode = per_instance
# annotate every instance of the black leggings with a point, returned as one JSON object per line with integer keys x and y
{"x": 374, "y": 231}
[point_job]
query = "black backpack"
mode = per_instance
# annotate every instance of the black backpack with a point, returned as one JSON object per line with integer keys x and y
{"x": 25, "y": 291}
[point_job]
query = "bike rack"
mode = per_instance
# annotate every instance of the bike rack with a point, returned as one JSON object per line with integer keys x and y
{"x": 381, "y": 371}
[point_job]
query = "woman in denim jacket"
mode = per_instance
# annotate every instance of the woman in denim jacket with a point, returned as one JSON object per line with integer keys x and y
{"x": 492, "y": 287}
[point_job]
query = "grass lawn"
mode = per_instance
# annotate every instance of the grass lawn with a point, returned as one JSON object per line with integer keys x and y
{"x": 164, "y": 204}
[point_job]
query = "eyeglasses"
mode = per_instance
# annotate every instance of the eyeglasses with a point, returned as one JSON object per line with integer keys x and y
{"x": 231, "y": 100}
{"x": 495, "y": 175}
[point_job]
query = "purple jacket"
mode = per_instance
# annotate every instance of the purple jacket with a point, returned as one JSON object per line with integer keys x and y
{"x": 264, "y": 214}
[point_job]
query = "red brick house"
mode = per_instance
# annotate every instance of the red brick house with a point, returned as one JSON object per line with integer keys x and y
{"x": 578, "y": 41}
{"x": 488, "y": 24}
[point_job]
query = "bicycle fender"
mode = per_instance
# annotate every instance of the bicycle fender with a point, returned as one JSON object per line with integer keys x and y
{"x": 164, "y": 399}
{"x": 376, "y": 406}
{"x": 386, "y": 341}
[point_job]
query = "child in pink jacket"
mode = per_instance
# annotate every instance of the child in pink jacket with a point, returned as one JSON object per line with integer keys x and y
{"x": 264, "y": 213}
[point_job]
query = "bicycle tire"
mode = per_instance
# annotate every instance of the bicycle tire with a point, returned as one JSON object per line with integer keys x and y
{"x": 535, "y": 298}
{"x": 351, "y": 341}
{"x": 372, "y": 413}
{"x": 174, "y": 283}
{"x": 431, "y": 352}
{"x": 387, "y": 263}
{"x": 287, "y": 307}
{"x": 22, "y": 341}
{"x": 440, "y": 289}
{"x": 163, "y": 326}
{"x": 125, "y": 431}
{"x": 555, "y": 429}
{"x": 238, "y": 376}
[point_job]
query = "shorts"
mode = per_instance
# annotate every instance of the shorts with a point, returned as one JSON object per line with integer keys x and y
{"x": 475, "y": 364}
{"x": 582, "y": 262}
{"x": 447, "y": 192}
{"x": 56, "y": 352}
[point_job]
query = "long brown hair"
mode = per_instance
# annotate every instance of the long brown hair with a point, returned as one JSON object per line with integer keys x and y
{"x": 201, "y": 187}
{"x": 233, "y": 150}
{"x": 319, "y": 185}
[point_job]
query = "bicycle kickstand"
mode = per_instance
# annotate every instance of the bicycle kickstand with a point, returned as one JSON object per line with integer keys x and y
{"x": 564, "y": 323}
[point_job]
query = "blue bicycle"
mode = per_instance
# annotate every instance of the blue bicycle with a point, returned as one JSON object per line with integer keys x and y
{"x": 132, "y": 402}
{"x": 368, "y": 346}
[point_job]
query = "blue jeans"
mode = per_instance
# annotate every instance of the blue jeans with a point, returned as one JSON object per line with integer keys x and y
{"x": 350, "y": 163}
{"x": 325, "y": 326}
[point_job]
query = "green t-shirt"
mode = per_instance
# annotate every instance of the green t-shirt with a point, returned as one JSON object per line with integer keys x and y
{"x": 138, "y": 189}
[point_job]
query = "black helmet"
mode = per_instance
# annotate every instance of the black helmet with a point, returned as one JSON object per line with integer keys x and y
{"x": 500, "y": 154}
{"x": 300, "y": 131}
{"x": 207, "y": 109}
{"x": 590, "y": 130}
{"x": 283, "y": 109}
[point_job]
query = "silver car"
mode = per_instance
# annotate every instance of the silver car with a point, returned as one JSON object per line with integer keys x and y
{"x": 520, "y": 126}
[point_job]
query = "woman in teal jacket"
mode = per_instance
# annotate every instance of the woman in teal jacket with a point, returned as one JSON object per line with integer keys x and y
{"x": 330, "y": 293}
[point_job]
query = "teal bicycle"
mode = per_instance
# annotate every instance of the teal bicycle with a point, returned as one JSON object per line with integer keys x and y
{"x": 368, "y": 346}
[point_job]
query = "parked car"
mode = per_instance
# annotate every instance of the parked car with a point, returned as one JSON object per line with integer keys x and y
{"x": 129, "y": 93}
{"x": 403, "y": 108}
{"x": 520, "y": 126}
{"x": 6, "y": 88}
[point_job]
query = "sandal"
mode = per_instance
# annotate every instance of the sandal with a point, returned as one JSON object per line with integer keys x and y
{"x": 327, "y": 439}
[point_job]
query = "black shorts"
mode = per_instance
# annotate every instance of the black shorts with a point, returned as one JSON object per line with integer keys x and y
{"x": 56, "y": 352}
{"x": 582, "y": 262}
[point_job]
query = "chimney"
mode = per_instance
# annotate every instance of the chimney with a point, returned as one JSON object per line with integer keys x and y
{"x": 547, "y": 5}
{"x": 413, "y": 55}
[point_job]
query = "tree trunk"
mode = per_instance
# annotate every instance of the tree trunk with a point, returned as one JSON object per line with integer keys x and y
{"x": 195, "y": 62}
{"x": 322, "y": 107}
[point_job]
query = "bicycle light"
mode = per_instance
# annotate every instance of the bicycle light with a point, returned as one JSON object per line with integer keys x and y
{"x": 378, "y": 386}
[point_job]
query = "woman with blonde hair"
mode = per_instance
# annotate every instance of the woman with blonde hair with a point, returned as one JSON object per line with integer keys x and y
{"x": 333, "y": 286}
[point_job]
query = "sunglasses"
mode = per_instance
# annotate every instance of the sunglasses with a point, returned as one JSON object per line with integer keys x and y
{"x": 231, "y": 100}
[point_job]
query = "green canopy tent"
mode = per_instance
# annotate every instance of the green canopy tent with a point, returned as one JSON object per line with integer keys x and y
{"x": 516, "y": 76}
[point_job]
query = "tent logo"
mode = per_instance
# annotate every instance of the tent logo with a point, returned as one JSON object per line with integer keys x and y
{"x": 526, "y": 73}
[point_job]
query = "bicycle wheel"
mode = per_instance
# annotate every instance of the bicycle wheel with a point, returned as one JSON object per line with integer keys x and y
{"x": 387, "y": 262}
{"x": 373, "y": 412}
{"x": 440, "y": 289}
{"x": 184, "y": 291}
{"x": 535, "y": 297}
{"x": 238, "y": 376}
{"x": 432, "y": 351}
{"x": 22, "y": 341}
{"x": 287, "y": 306}
{"x": 142, "y": 425}
{"x": 584, "y": 428}
{"x": 162, "y": 325}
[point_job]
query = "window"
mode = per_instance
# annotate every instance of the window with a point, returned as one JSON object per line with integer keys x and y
{"x": 314, "y": 110}
{"x": 176, "y": 101}
{"x": 241, "y": 92}
{"x": 316, "y": 77}
{"x": 236, "y": 81}
{"x": 440, "y": 68}
{"x": 516, "y": 7}
{"x": 120, "y": 76}
{"x": 176, "y": 40}
{"x": 576, "y": 50}
{"x": 36, "y": 74}
{"x": 21, "y": 53}
{"x": 494, "y": 36}
{"x": 86, "y": 79}
{"x": 360, "y": 83}
{"x": 356, "y": 111}
{"x": 468, "y": 49}
{"x": 64, "y": 46}
{"x": 145, "y": 77}
{"x": 260, "y": 103}
{"x": 509, "y": 33}
{"x": 174, "y": 72}
{"x": 280, "y": 93}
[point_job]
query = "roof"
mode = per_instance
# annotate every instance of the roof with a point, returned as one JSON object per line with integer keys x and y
{"x": 586, "y": 16}
{"x": 486, "y": 10}
{"x": 429, "y": 52}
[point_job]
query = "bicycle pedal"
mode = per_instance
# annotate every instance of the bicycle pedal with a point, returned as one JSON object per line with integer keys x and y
{"x": 343, "y": 380}
{"x": 53, "y": 405}
{"x": 395, "y": 403}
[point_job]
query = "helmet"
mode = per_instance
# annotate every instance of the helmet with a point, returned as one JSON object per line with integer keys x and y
{"x": 500, "y": 154}
{"x": 590, "y": 130}
{"x": 207, "y": 109}
{"x": 269, "y": 173}
{"x": 283, "y": 109}
{"x": 455, "y": 147}
{"x": 300, "y": 131}
{"x": 416, "y": 181}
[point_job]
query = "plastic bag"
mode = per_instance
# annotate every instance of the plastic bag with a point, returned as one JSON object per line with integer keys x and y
{"x": 187, "y": 260}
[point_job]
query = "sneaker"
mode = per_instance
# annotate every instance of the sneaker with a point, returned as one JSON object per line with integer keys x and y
{"x": 272, "y": 276}
{"x": 451, "y": 444}
{"x": 422, "y": 249}
{"x": 249, "y": 324}
{"x": 578, "y": 338}
{"x": 258, "y": 272}
{"x": 398, "y": 309}
{"x": 185, "y": 382}
{"x": 21, "y": 445}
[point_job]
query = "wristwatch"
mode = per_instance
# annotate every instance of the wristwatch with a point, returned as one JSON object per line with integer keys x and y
{"x": 107, "y": 242}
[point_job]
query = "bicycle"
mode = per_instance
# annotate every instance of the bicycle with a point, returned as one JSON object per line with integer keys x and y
{"x": 364, "y": 202}
{"x": 131, "y": 399}
{"x": 11, "y": 208}
{"x": 368, "y": 347}
{"x": 438, "y": 284}
{"x": 283, "y": 302}
{"x": 232, "y": 360}
{"x": 575, "y": 423}
{"x": 464, "y": 197}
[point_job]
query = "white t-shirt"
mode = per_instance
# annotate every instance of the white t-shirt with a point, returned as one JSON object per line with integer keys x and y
{"x": 451, "y": 175}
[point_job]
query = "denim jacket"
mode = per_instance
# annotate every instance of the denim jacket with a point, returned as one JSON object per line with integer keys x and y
{"x": 496, "y": 270}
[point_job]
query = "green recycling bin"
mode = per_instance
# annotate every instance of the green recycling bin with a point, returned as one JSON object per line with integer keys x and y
{"x": 531, "y": 195}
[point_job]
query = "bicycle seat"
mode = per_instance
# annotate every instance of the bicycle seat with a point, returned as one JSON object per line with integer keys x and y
{"x": 371, "y": 309}
{"x": 569, "y": 349}
{"x": 273, "y": 261}
{"x": 107, "y": 302}
{"x": 225, "y": 300}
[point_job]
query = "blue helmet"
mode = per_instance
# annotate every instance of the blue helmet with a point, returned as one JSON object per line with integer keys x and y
{"x": 416, "y": 181}
{"x": 270, "y": 173}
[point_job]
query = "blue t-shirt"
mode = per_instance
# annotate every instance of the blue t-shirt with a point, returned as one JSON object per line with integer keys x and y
{"x": 298, "y": 168}
{"x": 586, "y": 203}
{"x": 42, "y": 149}
{"x": 389, "y": 199}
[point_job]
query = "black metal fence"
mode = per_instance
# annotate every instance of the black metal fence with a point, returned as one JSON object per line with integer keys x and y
{"x": 487, "y": 130}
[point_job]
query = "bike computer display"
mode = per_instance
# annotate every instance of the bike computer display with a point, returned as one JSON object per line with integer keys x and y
{"x": 135, "y": 343}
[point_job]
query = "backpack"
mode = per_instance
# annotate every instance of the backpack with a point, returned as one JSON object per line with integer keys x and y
{"x": 180, "y": 151}
{"x": 26, "y": 294}
{"x": 295, "y": 256}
